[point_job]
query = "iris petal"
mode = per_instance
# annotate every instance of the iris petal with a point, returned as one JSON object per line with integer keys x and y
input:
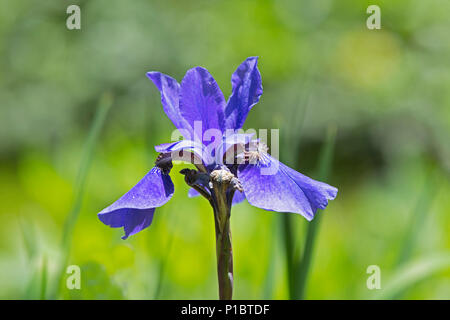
{"x": 179, "y": 145}
{"x": 201, "y": 156}
{"x": 317, "y": 192}
{"x": 170, "y": 94}
{"x": 192, "y": 193}
{"x": 132, "y": 220}
{"x": 285, "y": 190}
{"x": 134, "y": 210}
{"x": 246, "y": 90}
{"x": 238, "y": 197}
{"x": 202, "y": 101}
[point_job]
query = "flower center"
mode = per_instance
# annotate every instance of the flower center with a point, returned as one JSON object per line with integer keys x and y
{"x": 256, "y": 153}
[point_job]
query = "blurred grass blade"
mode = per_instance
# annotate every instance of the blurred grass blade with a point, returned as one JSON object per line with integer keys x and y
{"x": 31, "y": 247}
{"x": 294, "y": 123}
{"x": 29, "y": 238}
{"x": 419, "y": 216}
{"x": 173, "y": 222}
{"x": 293, "y": 130}
{"x": 91, "y": 142}
{"x": 270, "y": 274}
{"x": 88, "y": 151}
{"x": 289, "y": 241}
{"x": 162, "y": 268}
{"x": 303, "y": 266}
{"x": 43, "y": 278}
{"x": 413, "y": 273}
{"x": 32, "y": 287}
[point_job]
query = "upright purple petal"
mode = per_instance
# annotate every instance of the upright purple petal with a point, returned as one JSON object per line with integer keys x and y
{"x": 286, "y": 190}
{"x": 246, "y": 90}
{"x": 202, "y": 103}
{"x": 134, "y": 210}
{"x": 170, "y": 94}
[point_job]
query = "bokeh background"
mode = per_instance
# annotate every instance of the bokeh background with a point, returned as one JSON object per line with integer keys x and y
{"x": 79, "y": 119}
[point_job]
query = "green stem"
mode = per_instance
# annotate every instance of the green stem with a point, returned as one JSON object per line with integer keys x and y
{"x": 288, "y": 241}
{"x": 224, "y": 255}
{"x": 44, "y": 278}
{"x": 224, "y": 252}
{"x": 307, "y": 257}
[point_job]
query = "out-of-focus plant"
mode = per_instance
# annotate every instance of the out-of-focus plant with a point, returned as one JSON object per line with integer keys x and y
{"x": 104, "y": 105}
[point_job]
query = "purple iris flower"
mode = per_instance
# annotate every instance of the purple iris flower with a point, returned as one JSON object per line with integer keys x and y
{"x": 209, "y": 125}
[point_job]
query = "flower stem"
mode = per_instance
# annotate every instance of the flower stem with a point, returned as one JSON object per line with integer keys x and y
{"x": 224, "y": 253}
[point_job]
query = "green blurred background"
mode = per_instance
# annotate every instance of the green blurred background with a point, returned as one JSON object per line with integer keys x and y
{"x": 79, "y": 119}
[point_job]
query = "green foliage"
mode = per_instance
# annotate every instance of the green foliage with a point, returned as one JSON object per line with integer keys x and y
{"x": 412, "y": 273}
{"x": 95, "y": 284}
{"x": 301, "y": 268}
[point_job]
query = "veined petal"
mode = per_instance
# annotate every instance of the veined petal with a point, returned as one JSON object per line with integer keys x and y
{"x": 317, "y": 192}
{"x": 202, "y": 103}
{"x": 132, "y": 220}
{"x": 170, "y": 93}
{"x": 134, "y": 210}
{"x": 246, "y": 90}
{"x": 285, "y": 190}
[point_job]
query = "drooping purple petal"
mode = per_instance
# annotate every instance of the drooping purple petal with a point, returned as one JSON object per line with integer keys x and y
{"x": 170, "y": 93}
{"x": 134, "y": 210}
{"x": 132, "y": 220}
{"x": 285, "y": 190}
{"x": 202, "y": 103}
{"x": 317, "y": 192}
{"x": 246, "y": 90}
